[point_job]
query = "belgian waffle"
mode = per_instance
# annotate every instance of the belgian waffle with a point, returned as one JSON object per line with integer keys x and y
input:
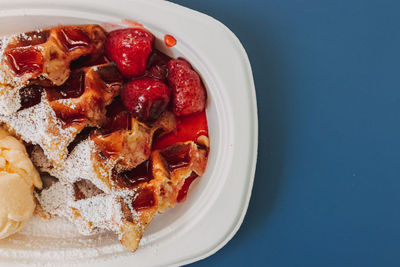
{"x": 99, "y": 156}
{"x": 151, "y": 188}
{"x": 44, "y": 56}
{"x": 50, "y": 104}
{"x": 98, "y": 162}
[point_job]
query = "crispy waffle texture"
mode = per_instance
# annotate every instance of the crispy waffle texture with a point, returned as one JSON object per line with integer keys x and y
{"x": 44, "y": 102}
{"x": 50, "y": 53}
{"x": 99, "y": 156}
{"x": 129, "y": 207}
{"x": 96, "y": 160}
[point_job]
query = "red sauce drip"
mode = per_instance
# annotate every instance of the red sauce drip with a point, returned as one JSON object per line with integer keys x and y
{"x": 25, "y": 60}
{"x": 176, "y": 156}
{"x": 72, "y": 38}
{"x": 140, "y": 174}
{"x": 188, "y": 128}
{"x": 72, "y": 88}
{"x": 169, "y": 40}
{"x": 185, "y": 188}
{"x": 143, "y": 199}
{"x": 121, "y": 121}
{"x": 157, "y": 65}
{"x": 30, "y": 96}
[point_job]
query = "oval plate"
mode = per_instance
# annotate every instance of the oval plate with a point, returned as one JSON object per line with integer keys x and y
{"x": 217, "y": 203}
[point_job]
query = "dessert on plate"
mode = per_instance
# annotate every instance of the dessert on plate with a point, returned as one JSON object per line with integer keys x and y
{"x": 116, "y": 128}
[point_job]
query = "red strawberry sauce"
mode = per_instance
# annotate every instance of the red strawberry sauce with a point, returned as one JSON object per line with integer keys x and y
{"x": 169, "y": 40}
{"x": 188, "y": 128}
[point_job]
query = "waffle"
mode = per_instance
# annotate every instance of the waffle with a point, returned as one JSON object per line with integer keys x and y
{"x": 44, "y": 56}
{"x": 98, "y": 163}
{"x": 153, "y": 187}
{"x": 45, "y": 102}
{"x": 101, "y": 155}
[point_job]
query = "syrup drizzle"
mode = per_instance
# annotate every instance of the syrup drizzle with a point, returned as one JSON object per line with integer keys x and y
{"x": 176, "y": 156}
{"x": 72, "y": 88}
{"x": 130, "y": 179}
{"x": 185, "y": 188}
{"x": 121, "y": 121}
{"x": 143, "y": 199}
{"x": 25, "y": 60}
{"x": 72, "y": 38}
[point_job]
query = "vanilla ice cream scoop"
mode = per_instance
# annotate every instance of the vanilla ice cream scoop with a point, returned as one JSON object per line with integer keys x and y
{"x": 18, "y": 178}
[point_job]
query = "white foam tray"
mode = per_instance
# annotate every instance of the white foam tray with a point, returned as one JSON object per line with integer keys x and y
{"x": 217, "y": 203}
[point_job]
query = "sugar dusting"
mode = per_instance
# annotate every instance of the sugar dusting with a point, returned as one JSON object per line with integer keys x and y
{"x": 78, "y": 165}
{"x": 97, "y": 211}
{"x": 47, "y": 242}
{"x": 39, "y": 125}
{"x": 9, "y": 88}
{"x": 57, "y": 241}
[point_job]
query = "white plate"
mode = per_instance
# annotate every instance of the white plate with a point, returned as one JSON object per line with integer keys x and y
{"x": 217, "y": 203}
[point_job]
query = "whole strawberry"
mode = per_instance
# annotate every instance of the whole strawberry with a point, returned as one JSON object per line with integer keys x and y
{"x": 129, "y": 49}
{"x": 188, "y": 93}
{"x": 146, "y": 98}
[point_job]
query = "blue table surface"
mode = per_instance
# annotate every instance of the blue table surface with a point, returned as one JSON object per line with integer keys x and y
{"x": 327, "y": 184}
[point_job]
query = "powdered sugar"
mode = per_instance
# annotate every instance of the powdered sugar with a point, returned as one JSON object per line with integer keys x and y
{"x": 32, "y": 244}
{"x": 9, "y": 99}
{"x": 94, "y": 213}
{"x": 9, "y": 94}
{"x": 78, "y": 165}
{"x": 67, "y": 102}
{"x": 39, "y": 125}
{"x": 55, "y": 198}
{"x": 97, "y": 209}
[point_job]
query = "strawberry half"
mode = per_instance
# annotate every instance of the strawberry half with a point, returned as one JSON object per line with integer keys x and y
{"x": 146, "y": 98}
{"x": 130, "y": 49}
{"x": 188, "y": 93}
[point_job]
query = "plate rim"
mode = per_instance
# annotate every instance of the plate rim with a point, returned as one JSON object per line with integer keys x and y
{"x": 253, "y": 116}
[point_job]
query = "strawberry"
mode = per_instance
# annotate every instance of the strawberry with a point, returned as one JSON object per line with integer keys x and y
{"x": 157, "y": 66}
{"x": 146, "y": 98}
{"x": 188, "y": 93}
{"x": 129, "y": 49}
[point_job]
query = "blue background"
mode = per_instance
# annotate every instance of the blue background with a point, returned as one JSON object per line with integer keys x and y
{"x": 327, "y": 186}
